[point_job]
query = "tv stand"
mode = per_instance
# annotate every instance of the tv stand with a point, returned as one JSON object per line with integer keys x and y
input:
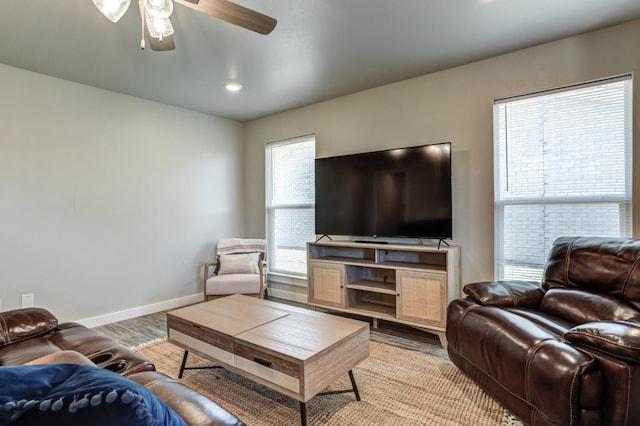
{"x": 406, "y": 284}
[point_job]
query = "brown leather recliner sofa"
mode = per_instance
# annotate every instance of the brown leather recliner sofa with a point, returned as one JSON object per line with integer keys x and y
{"x": 34, "y": 336}
{"x": 562, "y": 352}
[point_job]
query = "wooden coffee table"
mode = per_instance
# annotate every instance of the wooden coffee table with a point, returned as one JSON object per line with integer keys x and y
{"x": 295, "y": 351}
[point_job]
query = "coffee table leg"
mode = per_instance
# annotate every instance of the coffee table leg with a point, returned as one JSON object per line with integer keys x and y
{"x": 303, "y": 413}
{"x": 184, "y": 362}
{"x": 355, "y": 387}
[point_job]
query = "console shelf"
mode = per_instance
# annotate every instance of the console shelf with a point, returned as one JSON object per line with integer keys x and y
{"x": 409, "y": 284}
{"x": 373, "y": 286}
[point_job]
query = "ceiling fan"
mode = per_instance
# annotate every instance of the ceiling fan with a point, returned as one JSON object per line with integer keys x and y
{"x": 157, "y": 28}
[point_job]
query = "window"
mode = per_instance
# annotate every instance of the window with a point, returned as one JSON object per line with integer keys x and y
{"x": 290, "y": 204}
{"x": 562, "y": 168}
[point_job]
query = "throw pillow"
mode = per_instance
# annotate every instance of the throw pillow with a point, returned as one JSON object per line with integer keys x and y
{"x": 73, "y": 394}
{"x": 244, "y": 263}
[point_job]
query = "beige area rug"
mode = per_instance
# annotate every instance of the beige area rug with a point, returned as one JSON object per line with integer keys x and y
{"x": 397, "y": 386}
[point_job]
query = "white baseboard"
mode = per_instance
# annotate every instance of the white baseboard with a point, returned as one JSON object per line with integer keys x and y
{"x": 287, "y": 295}
{"x": 112, "y": 317}
{"x": 139, "y": 311}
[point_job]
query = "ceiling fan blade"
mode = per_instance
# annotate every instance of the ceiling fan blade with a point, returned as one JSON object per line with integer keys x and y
{"x": 233, "y": 14}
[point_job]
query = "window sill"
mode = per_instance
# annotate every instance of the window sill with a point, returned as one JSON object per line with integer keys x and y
{"x": 284, "y": 278}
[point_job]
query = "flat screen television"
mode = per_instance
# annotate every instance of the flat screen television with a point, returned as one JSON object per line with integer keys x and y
{"x": 403, "y": 192}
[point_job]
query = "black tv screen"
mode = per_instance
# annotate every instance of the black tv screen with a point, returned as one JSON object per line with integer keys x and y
{"x": 403, "y": 192}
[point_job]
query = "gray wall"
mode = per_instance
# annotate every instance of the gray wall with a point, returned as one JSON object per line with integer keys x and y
{"x": 109, "y": 203}
{"x": 453, "y": 105}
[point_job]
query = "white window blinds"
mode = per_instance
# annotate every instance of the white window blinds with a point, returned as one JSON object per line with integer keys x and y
{"x": 562, "y": 167}
{"x": 290, "y": 203}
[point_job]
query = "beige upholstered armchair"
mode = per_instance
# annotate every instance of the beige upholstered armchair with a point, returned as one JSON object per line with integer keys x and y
{"x": 239, "y": 269}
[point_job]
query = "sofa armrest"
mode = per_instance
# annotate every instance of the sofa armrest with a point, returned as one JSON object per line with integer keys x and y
{"x": 194, "y": 408}
{"x": 620, "y": 339}
{"x": 210, "y": 269}
{"x": 22, "y": 324}
{"x": 522, "y": 294}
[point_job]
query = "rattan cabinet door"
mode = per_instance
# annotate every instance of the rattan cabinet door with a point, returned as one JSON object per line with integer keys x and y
{"x": 326, "y": 284}
{"x": 422, "y": 296}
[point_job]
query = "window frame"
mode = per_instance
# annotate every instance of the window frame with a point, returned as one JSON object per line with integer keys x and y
{"x": 271, "y": 208}
{"x": 500, "y": 202}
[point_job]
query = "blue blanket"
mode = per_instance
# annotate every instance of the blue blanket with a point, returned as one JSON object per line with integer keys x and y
{"x": 71, "y": 394}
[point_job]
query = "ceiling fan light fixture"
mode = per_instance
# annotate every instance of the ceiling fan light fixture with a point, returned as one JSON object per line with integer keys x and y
{"x": 159, "y": 8}
{"x": 159, "y": 27}
{"x": 112, "y": 9}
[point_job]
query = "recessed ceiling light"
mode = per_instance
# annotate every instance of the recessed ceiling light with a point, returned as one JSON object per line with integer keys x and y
{"x": 233, "y": 86}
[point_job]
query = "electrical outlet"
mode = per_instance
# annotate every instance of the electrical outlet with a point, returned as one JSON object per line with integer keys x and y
{"x": 27, "y": 300}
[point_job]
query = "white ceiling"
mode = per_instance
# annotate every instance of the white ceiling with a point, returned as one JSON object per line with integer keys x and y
{"x": 320, "y": 49}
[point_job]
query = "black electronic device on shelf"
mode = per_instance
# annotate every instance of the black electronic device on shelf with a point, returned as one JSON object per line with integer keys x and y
{"x": 403, "y": 192}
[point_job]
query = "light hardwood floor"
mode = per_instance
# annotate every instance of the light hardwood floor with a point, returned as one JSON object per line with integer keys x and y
{"x": 136, "y": 331}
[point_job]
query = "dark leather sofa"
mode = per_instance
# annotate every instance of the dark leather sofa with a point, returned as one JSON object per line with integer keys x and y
{"x": 33, "y": 336}
{"x": 562, "y": 352}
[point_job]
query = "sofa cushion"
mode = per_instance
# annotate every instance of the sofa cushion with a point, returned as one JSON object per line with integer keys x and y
{"x": 26, "y": 350}
{"x": 580, "y": 306}
{"x": 233, "y": 284}
{"x": 22, "y": 324}
{"x": 73, "y": 394}
{"x": 555, "y": 325}
{"x": 609, "y": 266}
{"x": 618, "y": 338}
{"x": 62, "y": 357}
